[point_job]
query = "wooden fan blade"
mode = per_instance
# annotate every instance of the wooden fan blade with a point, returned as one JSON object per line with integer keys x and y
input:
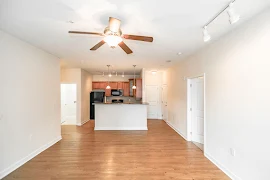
{"x": 138, "y": 38}
{"x": 114, "y": 24}
{"x": 79, "y": 32}
{"x": 125, "y": 47}
{"x": 98, "y": 45}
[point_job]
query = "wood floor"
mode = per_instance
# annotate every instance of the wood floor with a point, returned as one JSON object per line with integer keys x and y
{"x": 85, "y": 154}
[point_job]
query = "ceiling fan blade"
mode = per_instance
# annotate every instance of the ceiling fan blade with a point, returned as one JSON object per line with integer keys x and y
{"x": 125, "y": 47}
{"x": 98, "y": 45}
{"x": 114, "y": 24}
{"x": 138, "y": 38}
{"x": 79, "y": 32}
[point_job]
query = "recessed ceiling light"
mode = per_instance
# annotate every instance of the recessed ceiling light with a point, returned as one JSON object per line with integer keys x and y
{"x": 179, "y": 53}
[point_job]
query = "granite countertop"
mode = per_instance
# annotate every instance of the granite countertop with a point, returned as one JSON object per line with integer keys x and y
{"x": 136, "y": 103}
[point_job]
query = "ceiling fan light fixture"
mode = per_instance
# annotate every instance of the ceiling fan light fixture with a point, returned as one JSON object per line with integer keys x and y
{"x": 112, "y": 40}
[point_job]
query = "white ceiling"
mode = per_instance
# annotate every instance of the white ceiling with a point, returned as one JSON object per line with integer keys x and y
{"x": 174, "y": 24}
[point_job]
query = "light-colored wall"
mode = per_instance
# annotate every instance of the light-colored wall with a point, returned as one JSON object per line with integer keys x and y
{"x": 237, "y": 69}
{"x": 86, "y": 89}
{"x": 83, "y": 80}
{"x": 114, "y": 78}
{"x": 29, "y": 102}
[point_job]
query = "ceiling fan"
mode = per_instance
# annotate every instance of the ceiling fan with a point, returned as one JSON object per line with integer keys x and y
{"x": 113, "y": 36}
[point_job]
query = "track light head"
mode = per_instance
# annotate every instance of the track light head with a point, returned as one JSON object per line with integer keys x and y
{"x": 232, "y": 15}
{"x": 206, "y": 36}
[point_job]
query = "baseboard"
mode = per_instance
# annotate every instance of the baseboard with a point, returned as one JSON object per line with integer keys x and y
{"x": 19, "y": 163}
{"x": 183, "y": 136}
{"x": 83, "y": 123}
{"x": 221, "y": 167}
{"x": 121, "y": 128}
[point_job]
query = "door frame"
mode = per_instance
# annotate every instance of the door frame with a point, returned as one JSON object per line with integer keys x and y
{"x": 189, "y": 119}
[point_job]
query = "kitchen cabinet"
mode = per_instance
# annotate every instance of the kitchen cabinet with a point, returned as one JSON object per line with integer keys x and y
{"x": 120, "y": 85}
{"x": 107, "y": 92}
{"x": 126, "y": 88}
{"x": 95, "y": 85}
{"x": 138, "y": 91}
{"x": 113, "y": 85}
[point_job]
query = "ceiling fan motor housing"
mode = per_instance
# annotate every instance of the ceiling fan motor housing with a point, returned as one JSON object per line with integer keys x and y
{"x": 108, "y": 32}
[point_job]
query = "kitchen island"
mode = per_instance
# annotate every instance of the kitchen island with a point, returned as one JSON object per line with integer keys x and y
{"x": 121, "y": 116}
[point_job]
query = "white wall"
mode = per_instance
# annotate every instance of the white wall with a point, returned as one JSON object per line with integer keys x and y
{"x": 237, "y": 71}
{"x": 83, "y": 80}
{"x": 86, "y": 89}
{"x": 114, "y": 78}
{"x": 29, "y": 102}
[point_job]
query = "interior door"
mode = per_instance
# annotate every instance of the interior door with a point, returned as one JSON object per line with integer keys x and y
{"x": 68, "y": 103}
{"x": 164, "y": 102}
{"x": 152, "y": 98}
{"x": 197, "y": 105}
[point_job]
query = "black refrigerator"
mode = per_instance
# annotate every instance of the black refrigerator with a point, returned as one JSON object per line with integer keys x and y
{"x": 96, "y": 96}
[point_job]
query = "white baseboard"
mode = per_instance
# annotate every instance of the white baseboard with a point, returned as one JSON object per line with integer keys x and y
{"x": 83, "y": 123}
{"x": 181, "y": 134}
{"x": 221, "y": 167}
{"x": 121, "y": 128}
{"x": 19, "y": 163}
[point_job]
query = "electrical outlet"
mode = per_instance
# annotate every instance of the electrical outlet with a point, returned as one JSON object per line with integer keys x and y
{"x": 232, "y": 151}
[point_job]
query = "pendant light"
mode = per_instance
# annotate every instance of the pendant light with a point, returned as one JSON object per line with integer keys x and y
{"x": 232, "y": 15}
{"x": 108, "y": 85}
{"x": 134, "y": 82}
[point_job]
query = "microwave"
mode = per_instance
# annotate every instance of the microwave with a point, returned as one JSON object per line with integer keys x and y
{"x": 117, "y": 92}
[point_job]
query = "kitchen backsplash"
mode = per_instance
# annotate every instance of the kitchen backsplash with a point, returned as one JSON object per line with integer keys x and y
{"x": 125, "y": 98}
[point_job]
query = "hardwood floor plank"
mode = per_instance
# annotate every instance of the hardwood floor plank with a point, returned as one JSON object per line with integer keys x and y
{"x": 158, "y": 154}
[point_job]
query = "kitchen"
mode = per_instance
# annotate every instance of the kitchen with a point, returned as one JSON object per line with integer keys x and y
{"x": 116, "y": 104}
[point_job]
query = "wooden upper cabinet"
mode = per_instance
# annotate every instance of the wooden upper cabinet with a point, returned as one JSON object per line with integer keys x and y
{"x": 102, "y": 85}
{"x": 120, "y": 85}
{"x": 113, "y": 85}
{"x": 95, "y": 85}
{"x": 126, "y": 88}
{"x": 138, "y": 93}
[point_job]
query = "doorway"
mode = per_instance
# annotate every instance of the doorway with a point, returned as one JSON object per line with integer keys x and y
{"x": 68, "y": 104}
{"x": 196, "y": 111}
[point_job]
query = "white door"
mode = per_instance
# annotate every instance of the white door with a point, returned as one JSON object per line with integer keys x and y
{"x": 197, "y": 108}
{"x": 152, "y": 94}
{"x": 164, "y": 103}
{"x": 68, "y": 103}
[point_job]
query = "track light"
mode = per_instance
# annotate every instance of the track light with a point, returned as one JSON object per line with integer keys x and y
{"x": 233, "y": 16}
{"x": 123, "y": 75}
{"x": 206, "y": 36}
